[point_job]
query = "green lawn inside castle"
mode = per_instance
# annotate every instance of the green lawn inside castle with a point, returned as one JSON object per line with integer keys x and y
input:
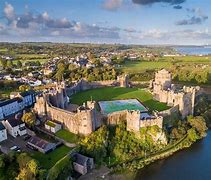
{"x": 118, "y": 93}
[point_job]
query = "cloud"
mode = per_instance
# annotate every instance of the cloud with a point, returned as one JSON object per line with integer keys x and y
{"x": 149, "y": 2}
{"x": 112, "y": 5}
{"x": 187, "y": 34}
{"x": 42, "y": 25}
{"x": 193, "y": 20}
{"x": 177, "y": 7}
{"x": 130, "y": 30}
{"x": 197, "y": 17}
{"x": 9, "y": 11}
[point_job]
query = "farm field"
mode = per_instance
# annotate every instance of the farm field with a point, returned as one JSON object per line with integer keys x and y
{"x": 117, "y": 93}
{"x": 42, "y": 61}
{"x": 165, "y": 62}
{"x": 136, "y": 67}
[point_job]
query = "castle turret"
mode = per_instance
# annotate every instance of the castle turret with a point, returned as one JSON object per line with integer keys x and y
{"x": 123, "y": 80}
{"x": 133, "y": 121}
{"x": 87, "y": 118}
{"x": 163, "y": 79}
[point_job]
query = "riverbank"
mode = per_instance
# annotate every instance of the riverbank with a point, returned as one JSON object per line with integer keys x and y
{"x": 191, "y": 163}
{"x": 139, "y": 163}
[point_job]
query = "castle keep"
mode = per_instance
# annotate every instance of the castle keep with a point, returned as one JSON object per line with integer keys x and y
{"x": 166, "y": 92}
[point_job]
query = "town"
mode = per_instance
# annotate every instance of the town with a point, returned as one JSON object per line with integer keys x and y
{"x": 105, "y": 89}
{"x": 45, "y": 113}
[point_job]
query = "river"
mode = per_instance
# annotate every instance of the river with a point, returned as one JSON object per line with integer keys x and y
{"x": 193, "y": 163}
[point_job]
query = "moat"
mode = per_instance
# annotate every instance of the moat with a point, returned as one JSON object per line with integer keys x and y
{"x": 191, "y": 163}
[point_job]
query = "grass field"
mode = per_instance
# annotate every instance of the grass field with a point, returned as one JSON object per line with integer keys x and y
{"x": 67, "y": 136}
{"x": 3, "y": 49}
{"x": 140, "y": 66}
{"x": 165, "y": 62}
{"x": 49, "y": 159}
{"x": 115, "y": 93}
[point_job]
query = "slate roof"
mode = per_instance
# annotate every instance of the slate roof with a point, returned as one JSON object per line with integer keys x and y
{"x": 2, "y": 126}
{"x": 81, "y": 159}
{"x": 15, "y": 122}
{"x": 41, "y": 143}
{"x": 9, "y": 101}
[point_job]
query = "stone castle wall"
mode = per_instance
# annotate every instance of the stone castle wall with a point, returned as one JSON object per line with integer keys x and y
{"x": 133, "y": 121}
{"x": 81, "y": 122}
{"x": 116, "y": 117}
{"x": 77, "y": 123}
{"x": 166, "y": 92}
{"x": 83, "y": 85}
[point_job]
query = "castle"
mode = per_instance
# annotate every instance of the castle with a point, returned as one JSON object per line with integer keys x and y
{"x": 54, "y": 103}
{"x": 166, "y": 92}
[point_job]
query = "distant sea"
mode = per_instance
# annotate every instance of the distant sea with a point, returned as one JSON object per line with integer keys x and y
{"x": 194, "y": 50}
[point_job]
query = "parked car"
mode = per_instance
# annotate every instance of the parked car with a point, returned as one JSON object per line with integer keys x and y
{"x": 15, "y": 148}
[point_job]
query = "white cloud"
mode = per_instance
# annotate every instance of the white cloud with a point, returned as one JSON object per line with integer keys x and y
{"x": 9, "y": 11}
{"x": 112, "y": 5}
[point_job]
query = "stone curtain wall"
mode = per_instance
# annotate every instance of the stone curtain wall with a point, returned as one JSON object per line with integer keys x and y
{"x": 132, "y": 119}
{"x": 168, "y": 112}
{"x": 116, "y": 117}
{"x": 83, "y": 85}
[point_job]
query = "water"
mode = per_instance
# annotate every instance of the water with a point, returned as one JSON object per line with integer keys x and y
{"x": 193, "y": 163}
{"x": 194, "y": 50}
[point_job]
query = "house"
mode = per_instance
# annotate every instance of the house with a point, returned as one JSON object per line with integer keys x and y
{"x": 34, "y": 74}
{"x": 17, "y": 103}
{"x": 28, "y": 98}
{"x": 10, "y": 106}
{"x": 41, "y": 144}
{"x": 82, "y": 164}
{"x": 3, "y": 132}
{"x": 15, "y": 127}
{"x": 52, "y": 126}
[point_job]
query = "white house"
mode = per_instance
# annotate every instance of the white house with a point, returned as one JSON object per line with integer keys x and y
{"x": 10, "y": 106}
{"x": 3, "y": 132}
{"x": 15, "y": 127}
{"x": 52, "y": 126}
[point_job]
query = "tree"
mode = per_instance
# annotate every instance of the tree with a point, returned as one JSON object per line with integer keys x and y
{"x": 60, "y": 71}
{"x": 29, "y": 118}
{"x": 32, "y": 165}
{"x": 202, "y": 105}
{"x": 23, "y": 159}
{"x": 10, "y": 64}
{"x": 4, "y": 63}
{"x": 2, "y": 163}
{"x": 19, "y": 64}
{"x": 199, "y": 124}
{"x": 24, "y": 88}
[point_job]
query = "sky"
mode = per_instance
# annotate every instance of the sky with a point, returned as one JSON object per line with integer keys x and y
{"x": 181, "y": 22}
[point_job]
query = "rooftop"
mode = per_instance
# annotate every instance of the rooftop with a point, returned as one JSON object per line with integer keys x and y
{"x": 15, "y": 122}
{"x": 2, "y": 126}
{"x": 9, "y": 101}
